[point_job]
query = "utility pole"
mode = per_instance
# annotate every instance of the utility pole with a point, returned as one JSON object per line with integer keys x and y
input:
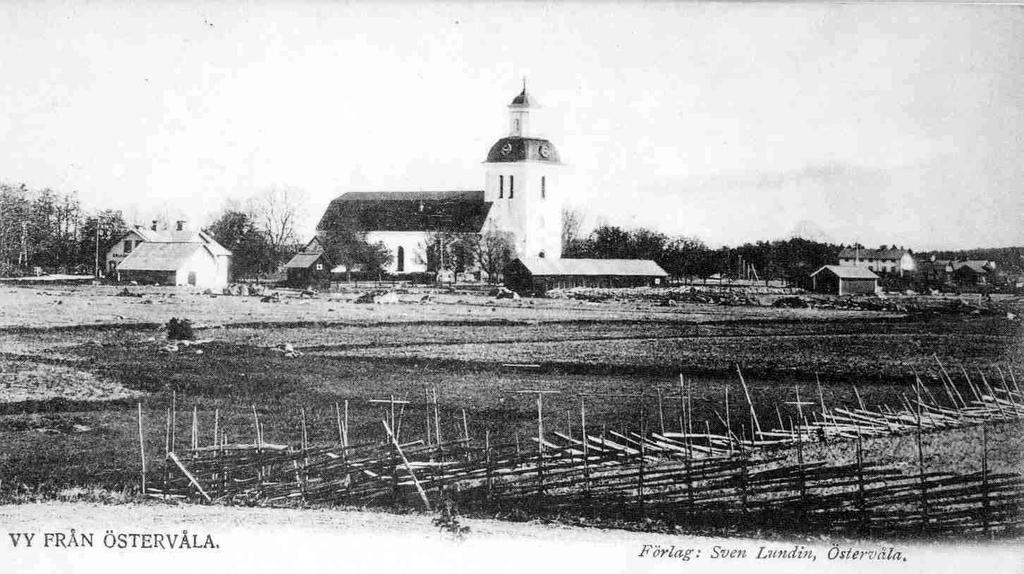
{"x": 96, "y": 260}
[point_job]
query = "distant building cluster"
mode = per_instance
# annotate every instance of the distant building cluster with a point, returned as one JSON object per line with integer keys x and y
{"x": 860, "y": 270}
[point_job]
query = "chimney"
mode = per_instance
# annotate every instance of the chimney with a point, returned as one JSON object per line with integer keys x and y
{"x": 153, "y": 227}
{"x": 179, "y": 225}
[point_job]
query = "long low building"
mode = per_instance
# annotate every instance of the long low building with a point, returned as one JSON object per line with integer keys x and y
{"x": 844, "y": 280}
{"x": 537, "y": 275}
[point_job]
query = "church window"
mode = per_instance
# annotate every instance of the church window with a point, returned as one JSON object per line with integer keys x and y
{"x": 511, "y": 186}
{"x": 543, "y": 187}
{"x": 501, "y": 186}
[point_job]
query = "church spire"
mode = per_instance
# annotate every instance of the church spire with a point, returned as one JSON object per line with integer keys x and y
{"x": 519, "y": 113}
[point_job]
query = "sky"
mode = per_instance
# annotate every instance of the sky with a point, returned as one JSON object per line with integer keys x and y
{"x": 900, "y": 124}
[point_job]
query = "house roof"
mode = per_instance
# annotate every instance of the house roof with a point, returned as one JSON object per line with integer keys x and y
{"x": 980, "y": 266}
{"x": 847, "y": 272}
{"x": 624, "y": 267}
{"x": 303, "y": 260}
{"x": 188, "y": 236}
{"x": 450, "y": 211}
{"x": 159, "y": 256}
{"x": 887, "y": 254}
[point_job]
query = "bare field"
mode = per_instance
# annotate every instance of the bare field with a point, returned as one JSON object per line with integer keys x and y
{"x": 86, "y": 360}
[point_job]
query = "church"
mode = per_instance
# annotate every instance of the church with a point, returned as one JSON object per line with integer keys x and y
{"x": 521, "y": 197}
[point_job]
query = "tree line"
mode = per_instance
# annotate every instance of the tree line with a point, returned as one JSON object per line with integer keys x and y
{"x": 49, "y": 229}
{"x": 682, "y": 256}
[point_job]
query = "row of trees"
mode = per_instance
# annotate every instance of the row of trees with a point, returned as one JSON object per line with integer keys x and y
{"x": 50, "y": 230}
{"x": 790, "y": 259}
{"x": 454, "y": 253}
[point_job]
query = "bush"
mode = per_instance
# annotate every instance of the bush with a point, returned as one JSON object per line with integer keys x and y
{"x": 180, "y": 330}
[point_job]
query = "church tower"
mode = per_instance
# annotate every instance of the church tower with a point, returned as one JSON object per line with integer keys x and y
{"x": 522, "y": 186}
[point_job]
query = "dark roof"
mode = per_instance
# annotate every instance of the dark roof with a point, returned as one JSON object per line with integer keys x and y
{"x": 514, "y": 148}
{"x": 601, "y": 267}
{"x": 886, "y": 254}
{"x": 451, "y": 211}
{"x": 157, "y": 256}
{"x": 522, "y": 100}
{"x": 847, "y": 272}
{"x": 304, "y": 260}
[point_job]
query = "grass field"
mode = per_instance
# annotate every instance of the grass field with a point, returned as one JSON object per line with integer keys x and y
{"x": 75, "y": 360}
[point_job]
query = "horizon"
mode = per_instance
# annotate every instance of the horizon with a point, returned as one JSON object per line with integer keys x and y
{"x": 861, "y": 124}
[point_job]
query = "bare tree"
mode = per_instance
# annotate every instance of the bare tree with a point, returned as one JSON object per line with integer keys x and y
{"x": 572, "y": 222}
{"x": 277, "y": 211}
{"x": 494, "y": 251}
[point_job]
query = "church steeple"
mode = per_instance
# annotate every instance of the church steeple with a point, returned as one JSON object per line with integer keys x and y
{"x": 519, "y": 114}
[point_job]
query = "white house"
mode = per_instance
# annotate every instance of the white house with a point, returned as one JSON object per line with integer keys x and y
{"x": 882, "y": 260}
{"x": 170, "y": 257}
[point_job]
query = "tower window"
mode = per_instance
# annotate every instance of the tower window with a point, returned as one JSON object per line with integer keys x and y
{"x": 543, "y": 187}
{"x": 501, "y": 186}
{"x": 511, "y": 186}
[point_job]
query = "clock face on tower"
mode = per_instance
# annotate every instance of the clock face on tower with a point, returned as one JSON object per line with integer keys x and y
{"x": 506, "y": 149}
{"x": 545, "y": 151}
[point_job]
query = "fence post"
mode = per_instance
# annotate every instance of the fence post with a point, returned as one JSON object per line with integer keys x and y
{"x": 640, "y": 475}
{"x": 861, "y": 505}
{"x": 985, "y": 508}
{"x": 142, "y": 450}
{"x": 920, "y": 468}
{"x": 586, "y": 451}
{"x": 487, "y": 458}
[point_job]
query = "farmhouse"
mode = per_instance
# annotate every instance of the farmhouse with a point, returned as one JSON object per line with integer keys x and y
{"x": 538, "y": 275}
{"x": 842, "y": 280}
{"x": 882, "y": 260}
{"x": 177, "y": 263}
{"x": 522, "y": 199}
{"x": 170, "y": 257}
{"x": 973, "y": 272}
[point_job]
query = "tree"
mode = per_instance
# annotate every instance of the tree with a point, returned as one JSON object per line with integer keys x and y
{"x": 351, "y": 249}
{"x": 683, "y": 256}
{"x": 252, "y": 254}
{"x": 277, "y": 211}
{"x": 572, "y": 242}
{"x": 451, "y": 251}
{"x": 495, "y": 249}
{"x": 99, "y": 233}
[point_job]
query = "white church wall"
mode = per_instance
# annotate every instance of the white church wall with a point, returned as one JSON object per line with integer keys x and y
{"x": 411, "y": 245}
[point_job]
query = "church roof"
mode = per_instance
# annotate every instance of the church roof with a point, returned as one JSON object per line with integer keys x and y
{"x": 450, "y": 211}
{"x": 522, "y": 100}
{"x": 515, "y": 148}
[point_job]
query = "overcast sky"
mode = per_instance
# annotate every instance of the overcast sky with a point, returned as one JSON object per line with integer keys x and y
{"x": 897, "y": 124}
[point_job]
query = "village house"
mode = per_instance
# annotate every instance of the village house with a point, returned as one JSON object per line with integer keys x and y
{"x": 522, "y": 199}
{"x": 973, "y": 272}
{"x": 310, "y": 266}
{"x": 179, "y": 256}
{"x": 892, "y": 260}
{"x": 844, "y": 280}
